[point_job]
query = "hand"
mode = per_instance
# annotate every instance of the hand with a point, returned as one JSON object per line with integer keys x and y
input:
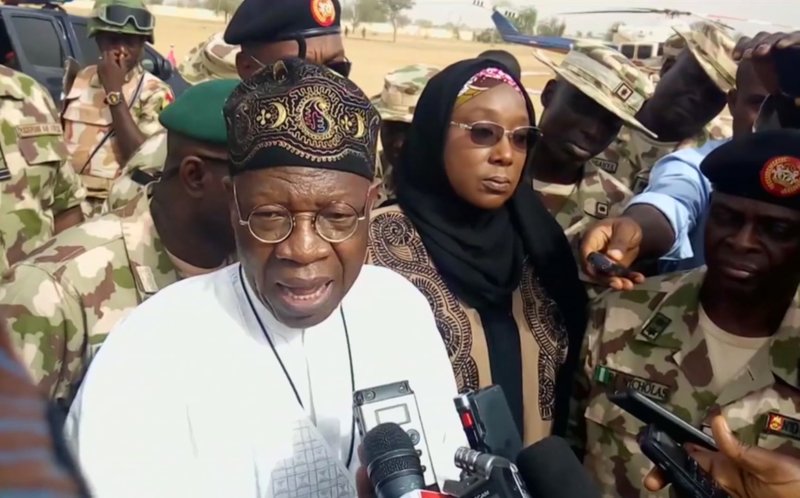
{"x": 363, "y": 484}
{"x": 759, "y": 50}
{"x": 111, "y": 69}
{"x": 742, "y": 471}
{"x": 619, "y": 239}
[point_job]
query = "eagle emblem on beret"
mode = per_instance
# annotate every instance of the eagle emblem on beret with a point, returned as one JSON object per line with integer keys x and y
{"x": 323, "y": 12}
{"x": 780, "y": 176}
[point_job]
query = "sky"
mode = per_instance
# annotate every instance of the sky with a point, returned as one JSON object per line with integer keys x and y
{"x": 781, "y": 12}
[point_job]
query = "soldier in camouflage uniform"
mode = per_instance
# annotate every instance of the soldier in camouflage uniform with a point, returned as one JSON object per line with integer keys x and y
{"x": 41, "y": 194}
{"x": 396, "y": 103}
{"x": 64, "y": 299}
{"x": 112, "y": 106}
{"x": 597, "y": 89}
{"x": 718, "y": 340}
{"x": 211, "y": 59}
{"x": 682, "y": 109}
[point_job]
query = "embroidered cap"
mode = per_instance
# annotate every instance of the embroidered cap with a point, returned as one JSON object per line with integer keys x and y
{"x": 295, "y": 113}
{"x": 763, "y": 166}
{"x": 401, "y": 90}
{"x": 607, "y": 77}
{"x": 712, "y": 47}
{"x": 277, "y": 20}
{"x": 212, "y": 59}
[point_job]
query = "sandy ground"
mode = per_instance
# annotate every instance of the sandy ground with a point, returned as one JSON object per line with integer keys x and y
{"x": 372, "y": 57}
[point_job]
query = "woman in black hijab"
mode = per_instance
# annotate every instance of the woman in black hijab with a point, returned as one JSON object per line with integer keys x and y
{"x": 472, "y": 235}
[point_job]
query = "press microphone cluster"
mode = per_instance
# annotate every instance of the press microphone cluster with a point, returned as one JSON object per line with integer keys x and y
{"x": 547, "y": 469}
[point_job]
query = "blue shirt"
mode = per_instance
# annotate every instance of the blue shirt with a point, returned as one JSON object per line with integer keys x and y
{"x": 681, "y": 192}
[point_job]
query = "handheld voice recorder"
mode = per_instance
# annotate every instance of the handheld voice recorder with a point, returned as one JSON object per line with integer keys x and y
{"x": 394, "y": 403}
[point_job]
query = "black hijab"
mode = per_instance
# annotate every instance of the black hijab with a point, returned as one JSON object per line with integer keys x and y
{"x": 479, "y": 254}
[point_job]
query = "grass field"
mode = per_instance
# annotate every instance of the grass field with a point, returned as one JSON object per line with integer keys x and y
{"x": 372, "y": 57}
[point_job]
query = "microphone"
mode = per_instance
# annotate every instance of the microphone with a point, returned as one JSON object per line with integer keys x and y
{"x": 393, "y": 466}
{"x": 543, "y": 466}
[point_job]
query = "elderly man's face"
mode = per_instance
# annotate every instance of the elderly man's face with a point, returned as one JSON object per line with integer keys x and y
{"x": 303, "y": 278}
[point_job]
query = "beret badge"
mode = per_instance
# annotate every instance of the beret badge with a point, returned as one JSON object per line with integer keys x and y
{"x": 780, "y": 176}
{"x": 323, "y": 12}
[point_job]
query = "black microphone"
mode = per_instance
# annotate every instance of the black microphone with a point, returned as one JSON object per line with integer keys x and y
{"x": 393, "y": 465}
{"x": 550, "y": 469}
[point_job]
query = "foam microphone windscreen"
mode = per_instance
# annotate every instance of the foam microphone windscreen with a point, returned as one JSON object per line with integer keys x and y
{"x": 393, "y": 465}
{"x": 550, "y": 469}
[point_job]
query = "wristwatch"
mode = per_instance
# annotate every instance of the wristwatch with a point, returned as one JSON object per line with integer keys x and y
{"x": 113, "y": 98}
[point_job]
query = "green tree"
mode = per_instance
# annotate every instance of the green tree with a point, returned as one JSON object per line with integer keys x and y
{"x": 525, "y": 20}
{"x": 368, "y": 11}
{"x": 551, "y": 27}
{"x": 393, "y": 9}
{"x": 423, "y": 23}
{"x": 226, "y": 7}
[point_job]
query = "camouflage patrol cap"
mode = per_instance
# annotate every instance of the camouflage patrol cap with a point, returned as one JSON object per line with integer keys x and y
{"x": 607, "y": 77}
{"x": 98, "y": 21}
{"x": 212, "y": 59}
{"x": 673, "y": 47}
{"x": 712, "y": 47}
{"x": 401, "y": 90}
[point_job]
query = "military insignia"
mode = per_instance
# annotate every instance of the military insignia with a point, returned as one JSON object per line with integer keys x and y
{"x": 639, "y": 185}
{"x": 601, "y": 209}
{"x": 146, "y": 279}
{"x": 323, "y": 12}
{"x": 623, "y": 91}
{"x": 781, "y": 425}
{"x": 656, "y": 326}
{"x": 780, "y": 176}
{"x": 616, "y": 381}
{"x": 38, "y": 129}
{"x": 605, "y": 165}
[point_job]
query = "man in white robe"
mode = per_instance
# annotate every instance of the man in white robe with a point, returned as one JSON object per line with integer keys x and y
{"x": 239, "y": 383}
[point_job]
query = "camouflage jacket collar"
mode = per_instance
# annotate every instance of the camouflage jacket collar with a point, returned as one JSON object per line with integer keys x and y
{"x": 673, "y": 325}
{"x": 151, "y": 266}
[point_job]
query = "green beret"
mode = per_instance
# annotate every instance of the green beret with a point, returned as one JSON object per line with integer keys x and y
{"x": 763, "y": 166}
{"x": 197, "y": 113}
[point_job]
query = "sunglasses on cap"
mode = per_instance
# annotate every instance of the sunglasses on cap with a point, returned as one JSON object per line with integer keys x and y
{"x": 489, "y": 134}
{"x": 120, "y": 15}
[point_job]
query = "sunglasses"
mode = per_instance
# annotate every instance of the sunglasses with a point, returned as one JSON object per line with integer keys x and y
{"x": 489, "y": 134}
{"x": 341, "y": 67}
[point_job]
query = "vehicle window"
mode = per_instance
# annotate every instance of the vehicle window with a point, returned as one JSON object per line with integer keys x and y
{"x": 39, "y": 41}
{"x": 660, "y": 49}
{"x": 90, "y": 52}
{"x": 645, "y": 51}
{"x": 628, "y": 51}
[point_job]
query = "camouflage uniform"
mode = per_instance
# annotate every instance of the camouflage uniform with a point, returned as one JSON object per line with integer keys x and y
{"x": 149, "y": 159}
{"x": 611, "y": 80}
{"x": 211, "y": 59}
{"x": 37, "y": 184}
{"x": 65, "y": 298}
{"x": 88, "y": 125}
{"x": 648, "y": 339}
{"x": 397, "y": 101}
{"x": 632, "y": 155}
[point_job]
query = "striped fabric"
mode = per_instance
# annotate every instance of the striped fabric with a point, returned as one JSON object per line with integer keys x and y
{"x": 32, "y": 464}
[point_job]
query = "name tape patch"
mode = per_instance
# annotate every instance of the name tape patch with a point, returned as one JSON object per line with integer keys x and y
{"x": 38, "y": 129}
{"x": 620, "y": 381}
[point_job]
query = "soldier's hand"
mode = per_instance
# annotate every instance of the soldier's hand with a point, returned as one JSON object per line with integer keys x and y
{"x": 742, "y": 471}
{"x": 759, "y": 49}
{"x": 619, "y": 240}
{"x": 111, "y": 69}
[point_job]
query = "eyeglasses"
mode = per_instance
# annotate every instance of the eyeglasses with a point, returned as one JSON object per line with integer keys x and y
{"x": 119, "y": 15}
{"x": 341, "y": 67}
{"x": 488, "y": 134}
{"x": 273, "y": 223}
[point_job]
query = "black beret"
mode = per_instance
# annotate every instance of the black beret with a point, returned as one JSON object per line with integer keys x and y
{"x": 278, "y": 20}
{"x": 764, "y": 166}
{"x": 295, "y": 113}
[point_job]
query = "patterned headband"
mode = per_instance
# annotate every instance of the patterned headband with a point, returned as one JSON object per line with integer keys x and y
{"x": 484, "y": 80}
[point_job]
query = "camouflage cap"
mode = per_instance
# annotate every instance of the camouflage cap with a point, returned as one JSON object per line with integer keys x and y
{"x": 212, "y": 59}
{"x": 673, "y": 46}
{"x": 607, "y": 77}
{"x": 96, "y": 22}
{"x": 712, "y": 47}
{"x": 401, "y": 90}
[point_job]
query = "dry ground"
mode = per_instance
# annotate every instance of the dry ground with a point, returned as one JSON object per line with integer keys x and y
{"x": 372, "y": 57}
